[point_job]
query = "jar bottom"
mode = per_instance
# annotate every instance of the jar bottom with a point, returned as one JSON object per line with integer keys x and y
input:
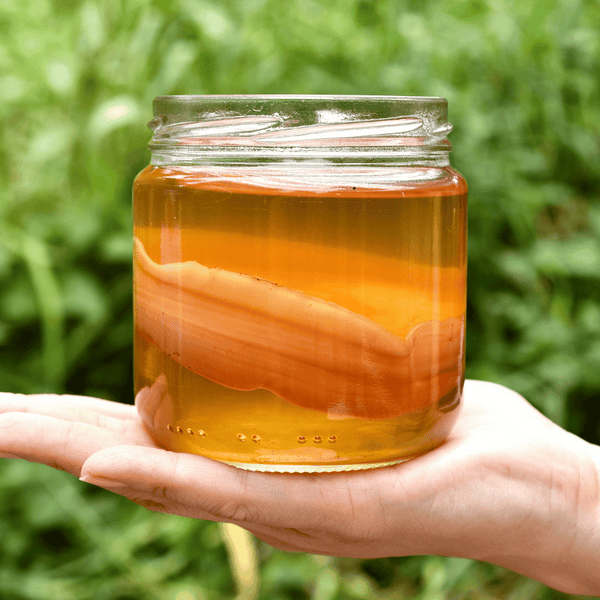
{"x": 314, "y": 468}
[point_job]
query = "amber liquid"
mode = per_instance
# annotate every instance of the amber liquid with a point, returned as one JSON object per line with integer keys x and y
{"x": 396, "y": 257}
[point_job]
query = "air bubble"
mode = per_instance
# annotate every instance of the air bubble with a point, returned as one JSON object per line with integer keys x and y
{"x": 170, "y": 427}
{"x": 201, "y": 433}
{"x": 301, "y": 439}
{"x": 241, "y": 437}
{"x": 179, "y": 430}
{"x": 256, "y": 438}
{"x": 332, "y": 439}
{"x": 190, "y": 431}
{"x": 317, "y": 439}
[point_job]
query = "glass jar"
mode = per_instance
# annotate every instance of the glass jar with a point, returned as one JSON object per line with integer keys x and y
{"x": 300, "y": 280}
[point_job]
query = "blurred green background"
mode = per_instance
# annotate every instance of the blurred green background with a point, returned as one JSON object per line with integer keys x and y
{"x": 77, "y": 81}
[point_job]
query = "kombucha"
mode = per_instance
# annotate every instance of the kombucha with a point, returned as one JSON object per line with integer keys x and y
{"x": 290, "y": 326}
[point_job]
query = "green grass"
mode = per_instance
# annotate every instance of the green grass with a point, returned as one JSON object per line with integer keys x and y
{"x": 522, "y": 85}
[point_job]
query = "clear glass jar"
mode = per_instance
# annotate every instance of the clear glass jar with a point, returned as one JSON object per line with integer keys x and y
{"x": 300, "y": 280}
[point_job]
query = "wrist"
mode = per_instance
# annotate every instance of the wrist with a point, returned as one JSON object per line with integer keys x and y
{"x": 581, "y": 565}
{"x": 560, "y": 544}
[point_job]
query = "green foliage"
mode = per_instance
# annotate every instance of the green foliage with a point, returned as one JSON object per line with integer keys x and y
{"x": 77, "y": 80}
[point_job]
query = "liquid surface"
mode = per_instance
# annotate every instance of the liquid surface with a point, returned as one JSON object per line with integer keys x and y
{"x": 285, "y": 326}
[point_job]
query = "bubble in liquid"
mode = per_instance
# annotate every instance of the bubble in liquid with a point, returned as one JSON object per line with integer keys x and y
{"x": 241, "y": 437}
{"x": 201, "y": 433}
{"x": 179, "y": 430}
{"x": 332, "y": 439}
{"x": 190, "y": 431}
{"x": 301, "y": 439}
{"x": 170, "y": 427}
{"x": 256, "y": 438}
{"x": 317, "y": 439}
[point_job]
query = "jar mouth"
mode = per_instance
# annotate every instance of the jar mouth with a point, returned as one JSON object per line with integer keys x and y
{"x": 208, "y": 98}
{"x": 299, "y": 127}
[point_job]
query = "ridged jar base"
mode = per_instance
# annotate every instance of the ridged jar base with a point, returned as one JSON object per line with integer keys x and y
{"x": 314, "y": 468}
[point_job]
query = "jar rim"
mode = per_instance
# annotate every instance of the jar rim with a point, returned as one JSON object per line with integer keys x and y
{"x": 358, "y": 97}
{"x": 175, "y": 105}
{"x": 303, "y": 126}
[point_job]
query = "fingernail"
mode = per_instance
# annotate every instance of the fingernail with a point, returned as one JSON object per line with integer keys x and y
{"x": 103, "y": 482}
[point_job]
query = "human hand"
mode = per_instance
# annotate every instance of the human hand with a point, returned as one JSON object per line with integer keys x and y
{"x": 508, "y": 486}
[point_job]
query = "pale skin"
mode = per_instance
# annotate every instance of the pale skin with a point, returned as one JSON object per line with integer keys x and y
{"x": 508, "y": 486}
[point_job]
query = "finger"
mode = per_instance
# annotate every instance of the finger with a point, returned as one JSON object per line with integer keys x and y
{"x": 65, "y": 406}
{"x": 316, "y": 540}
{"x": 65, "y": 444}
{"x": 209, "y": 489}
{"x": 112, "y": 416}
{"x": 158, "y": 499}
{"x": 155, "y": 499}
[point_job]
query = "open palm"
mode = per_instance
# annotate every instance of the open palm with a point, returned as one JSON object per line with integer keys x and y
{"x": 506, "y": 477}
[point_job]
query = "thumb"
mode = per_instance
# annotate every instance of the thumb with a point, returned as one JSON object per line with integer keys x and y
{"x": 193, "y": 486}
